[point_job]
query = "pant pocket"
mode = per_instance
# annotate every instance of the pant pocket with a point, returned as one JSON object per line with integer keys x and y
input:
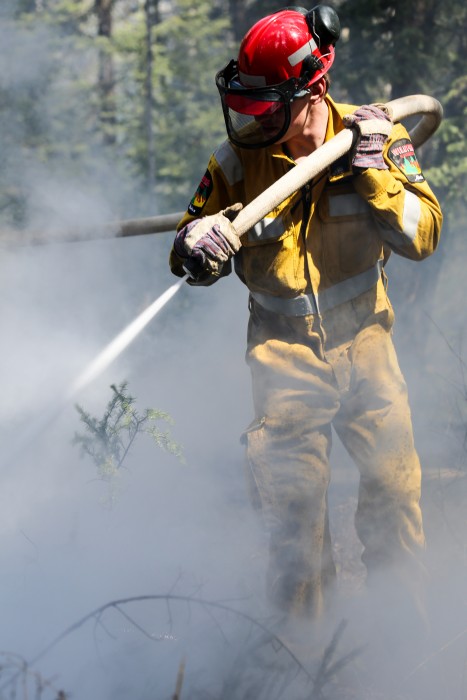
{"x": 256, "y": 468}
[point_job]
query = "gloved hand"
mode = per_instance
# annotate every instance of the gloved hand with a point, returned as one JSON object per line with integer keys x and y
{"x": 209, "y": 242}
{"x": 373, "y": 125}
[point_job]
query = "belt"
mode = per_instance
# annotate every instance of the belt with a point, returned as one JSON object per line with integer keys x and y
{"x": 306, "y": 304}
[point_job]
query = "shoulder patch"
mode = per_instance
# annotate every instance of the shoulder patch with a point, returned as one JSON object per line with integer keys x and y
{"x": 402, "y": 154}
{"x": 201, "y": 195}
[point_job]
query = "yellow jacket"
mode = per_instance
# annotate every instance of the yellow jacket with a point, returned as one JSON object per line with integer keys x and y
{"x": 334, "y": 231}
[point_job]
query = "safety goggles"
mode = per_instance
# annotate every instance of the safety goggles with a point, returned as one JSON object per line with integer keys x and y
{"x": 255, "y": 117}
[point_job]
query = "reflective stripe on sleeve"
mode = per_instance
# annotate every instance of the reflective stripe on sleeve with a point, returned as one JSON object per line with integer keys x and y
{"x": 410, "y": 221}
{"x": 411, "y": 216}
{"x": 229, "y": 163}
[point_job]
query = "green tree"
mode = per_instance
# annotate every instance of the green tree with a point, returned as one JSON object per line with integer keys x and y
{"x": 51, "y": 110}
{"x": 393, "y": 49}
{"x": 106, "y": 71}
{"x": 190, "y": 46}
{"x": 108, "y": 440}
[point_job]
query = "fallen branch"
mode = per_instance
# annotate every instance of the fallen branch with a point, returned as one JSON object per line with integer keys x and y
{"x": 180, "y": 676}
{"x": 325, "y": 671}
{"x": 434, "y": 654}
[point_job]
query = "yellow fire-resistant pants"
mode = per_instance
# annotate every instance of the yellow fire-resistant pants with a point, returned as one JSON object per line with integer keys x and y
{"x": 306, "y": 379}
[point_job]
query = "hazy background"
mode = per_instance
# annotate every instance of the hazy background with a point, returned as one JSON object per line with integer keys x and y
{"x": 180, "y": 528}
{"x": 185, "y": 528}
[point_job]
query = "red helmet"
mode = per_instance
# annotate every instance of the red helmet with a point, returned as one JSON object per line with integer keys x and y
{"x": 291, "y": 43}
{"x": 279, "y": 58}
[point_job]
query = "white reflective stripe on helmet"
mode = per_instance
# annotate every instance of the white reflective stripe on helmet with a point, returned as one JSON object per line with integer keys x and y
{"x": 302, "y": 52}
{"x": 252, "y": 80}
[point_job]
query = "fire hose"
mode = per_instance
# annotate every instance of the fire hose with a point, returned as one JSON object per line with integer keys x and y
{"x": 401, "y": 108}
{"x": 249, "y": 216}
{"x": 330, "y": 151}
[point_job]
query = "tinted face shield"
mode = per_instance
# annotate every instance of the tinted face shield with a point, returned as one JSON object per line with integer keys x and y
{"x": 255, "y": 117}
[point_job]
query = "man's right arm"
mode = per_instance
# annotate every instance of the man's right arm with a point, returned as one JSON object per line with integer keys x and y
{"x": 205, "y": 240}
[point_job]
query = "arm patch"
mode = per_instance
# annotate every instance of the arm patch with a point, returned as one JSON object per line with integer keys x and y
{"x": 402, "y": 154}
{"x": 201, "y": 195}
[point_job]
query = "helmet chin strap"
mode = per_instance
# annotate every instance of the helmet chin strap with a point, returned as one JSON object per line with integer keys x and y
{"x": 302, "y": 93}
{"x": 310, "y": 90}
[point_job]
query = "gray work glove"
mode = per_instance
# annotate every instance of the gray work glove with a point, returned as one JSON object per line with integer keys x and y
{"x": 372, "y": 125}
{"x": 207, "y": 243}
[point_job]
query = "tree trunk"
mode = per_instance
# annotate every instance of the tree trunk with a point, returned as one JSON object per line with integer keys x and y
{"x": 237, "y": 19}
{"x": 151, "y": 10}
{"x": 106, "y": 72}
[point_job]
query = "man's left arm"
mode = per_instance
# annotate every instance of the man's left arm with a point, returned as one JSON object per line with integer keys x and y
{"x": 407, "y": 212}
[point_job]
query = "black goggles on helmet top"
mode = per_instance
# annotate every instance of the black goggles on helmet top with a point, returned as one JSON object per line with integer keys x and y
{"x": 256, "y": 117}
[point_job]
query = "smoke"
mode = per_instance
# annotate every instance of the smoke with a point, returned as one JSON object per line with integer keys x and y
{"x": 182, "y": 529}
{"x": 65, "y": 553}
{"x": 175, "y": 527}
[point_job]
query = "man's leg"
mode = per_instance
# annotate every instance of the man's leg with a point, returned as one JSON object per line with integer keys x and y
{"x": 288, "y": 446}
{"x": 374, "y": 424}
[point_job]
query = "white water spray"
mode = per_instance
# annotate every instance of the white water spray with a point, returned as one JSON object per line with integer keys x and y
{"x": 118, "y": 344}
{"x": 93, "y": 370}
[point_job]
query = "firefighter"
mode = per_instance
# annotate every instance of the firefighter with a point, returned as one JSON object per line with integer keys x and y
{"x": 319, "y": 345}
